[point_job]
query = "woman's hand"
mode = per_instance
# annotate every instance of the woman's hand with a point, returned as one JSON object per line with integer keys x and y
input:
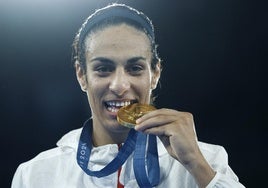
{"x": 177, "y": 132}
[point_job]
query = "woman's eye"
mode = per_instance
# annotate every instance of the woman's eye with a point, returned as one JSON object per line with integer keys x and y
{"x": 135, "y": 69}
{"x": 104, "y": 70}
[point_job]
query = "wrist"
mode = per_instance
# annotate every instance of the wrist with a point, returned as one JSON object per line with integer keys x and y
{"x": 200, "y": 170}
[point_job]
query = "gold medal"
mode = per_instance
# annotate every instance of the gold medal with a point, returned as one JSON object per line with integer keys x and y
{"x": 127, "y": 115}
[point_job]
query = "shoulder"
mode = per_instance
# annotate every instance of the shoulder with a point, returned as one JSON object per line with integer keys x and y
{"x": 215, "y": 155}
{"x": 45, "y": 167}
{"x": 212, "y": 150}
{"x": 66, "y": 146}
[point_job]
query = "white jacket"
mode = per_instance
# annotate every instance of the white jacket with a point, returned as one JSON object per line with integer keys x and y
{"x": 57, "y": 168}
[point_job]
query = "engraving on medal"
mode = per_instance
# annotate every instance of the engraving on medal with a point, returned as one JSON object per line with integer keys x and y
{"x": 128, "y": 115}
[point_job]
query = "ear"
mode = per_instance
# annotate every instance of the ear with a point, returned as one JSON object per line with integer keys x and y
{"x": 156, "y": 76}
{"x": 81, "y": 76}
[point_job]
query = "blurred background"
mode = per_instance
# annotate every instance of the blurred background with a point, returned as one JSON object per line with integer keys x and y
{"x": 213, "y": 57}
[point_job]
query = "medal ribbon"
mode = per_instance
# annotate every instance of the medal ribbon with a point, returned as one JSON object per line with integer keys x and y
{"x": 135, "y": 141}
{"x": 85, "y": 147}
{"x": 140, "y": 158}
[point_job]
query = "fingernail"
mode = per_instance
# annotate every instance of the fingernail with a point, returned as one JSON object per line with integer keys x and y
{"x": 136, "y": 127}
{"x": 138, "y": 121}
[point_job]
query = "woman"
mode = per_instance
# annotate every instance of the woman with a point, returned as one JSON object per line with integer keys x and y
{"x": 117, "y": 65}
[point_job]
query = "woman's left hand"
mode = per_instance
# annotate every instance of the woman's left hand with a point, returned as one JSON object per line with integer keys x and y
{"x": 176, "y": 130}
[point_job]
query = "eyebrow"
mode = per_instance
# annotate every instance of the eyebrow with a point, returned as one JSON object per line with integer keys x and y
{"x": 135, "y": 59}
{"x": 107, "y": 60}
{"x": 102, "y": 59}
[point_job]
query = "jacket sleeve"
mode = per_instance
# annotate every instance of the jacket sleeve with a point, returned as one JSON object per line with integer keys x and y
{"x": 224, "y": 181}
{"x": 225, "y": 177}
{"x": 17, "y": 181}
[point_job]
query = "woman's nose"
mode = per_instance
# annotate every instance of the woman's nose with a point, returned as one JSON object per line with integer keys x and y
{"x": 119, "y": 83}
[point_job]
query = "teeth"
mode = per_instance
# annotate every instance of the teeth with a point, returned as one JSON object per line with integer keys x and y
{"x": 114, "y": 106}
{"x": 118, "y": 103}
{"x": 112, "y": 109}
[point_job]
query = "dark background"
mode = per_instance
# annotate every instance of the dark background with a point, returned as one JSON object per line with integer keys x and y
{"x": 213, "y": 57}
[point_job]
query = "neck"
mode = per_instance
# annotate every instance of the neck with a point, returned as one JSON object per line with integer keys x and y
{"x": 102, "y": 136}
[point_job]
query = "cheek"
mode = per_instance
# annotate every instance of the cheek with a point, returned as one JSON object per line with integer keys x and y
{"x": 144, "y": 86}
{"x": 95, "y": 88}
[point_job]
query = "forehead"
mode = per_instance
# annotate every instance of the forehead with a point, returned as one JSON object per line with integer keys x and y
{"x": 118, "y": 40}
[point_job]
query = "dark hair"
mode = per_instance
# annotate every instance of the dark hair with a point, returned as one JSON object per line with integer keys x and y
{"x": 114, "y": 14}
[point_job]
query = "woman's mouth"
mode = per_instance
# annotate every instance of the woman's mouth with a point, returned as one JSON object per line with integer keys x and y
{"x": 114, "y": 105}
